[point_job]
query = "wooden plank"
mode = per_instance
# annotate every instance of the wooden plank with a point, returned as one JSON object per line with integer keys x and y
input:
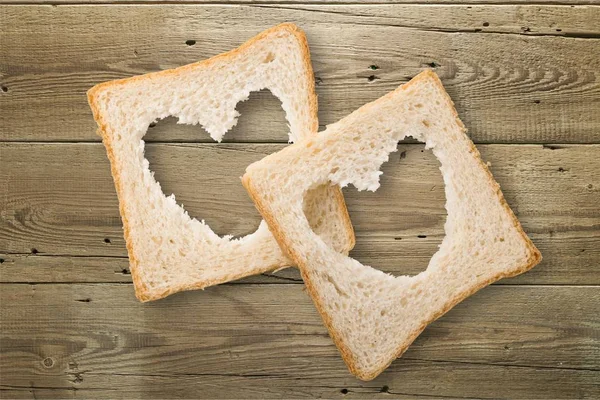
{"x": 302, "y": 2}
{"x": 568, "y": 260}
{"x": 60, "y": 200}
{"x": 506, "y": 341}
{"x": 416, "y": 379}
{"x": 511, "y": 74}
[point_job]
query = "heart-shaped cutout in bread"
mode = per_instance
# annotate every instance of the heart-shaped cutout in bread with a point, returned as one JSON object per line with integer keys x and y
{"x": 168, "y": 250}
{"x": 373, "y": 317}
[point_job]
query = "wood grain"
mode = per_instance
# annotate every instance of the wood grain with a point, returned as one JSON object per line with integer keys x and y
{"x": 415, "y": 379}
{"x": 98, "y": 340}
{"x": 524, "y": 74}
{"x": 303, "y": 2}
{"x": 568, "y": 260}
{"x": 60, "y": 200}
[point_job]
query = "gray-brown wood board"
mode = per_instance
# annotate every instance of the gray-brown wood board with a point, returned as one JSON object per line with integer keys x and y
{"x": 529, "y": 76}
{"x": 525, "y": 79}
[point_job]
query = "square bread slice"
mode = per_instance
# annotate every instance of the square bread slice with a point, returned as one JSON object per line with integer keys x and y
{"x": 372, "y": 316}
{"x": 168, "y": 250}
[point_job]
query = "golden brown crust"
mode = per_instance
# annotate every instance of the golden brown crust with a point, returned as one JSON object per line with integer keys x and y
{"x": 142, "y": 292}
{"x": 534, "y": 255}
{"x": 289, "y": 250}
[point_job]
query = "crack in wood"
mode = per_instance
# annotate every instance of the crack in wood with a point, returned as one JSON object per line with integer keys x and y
{"x": 502, "y": 364}
{"x": 519, "y": 32}
{"x": 283, "y": 278}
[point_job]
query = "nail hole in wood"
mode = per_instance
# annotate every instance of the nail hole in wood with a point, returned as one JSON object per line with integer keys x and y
{"x": 107, "y": 240}
{"x": 318, "y": 80}
{"x": 4, "y": 88}
{"x": 84, "y": 300}
{"x": 34, "y": 251}
{"x": 403, "y": 155}
{"x": 486, "y": 24}
{"x": 558, "y": 30}
{"x": 550, "y": 147}
{"x": 125, "y": 271}
{"x": 433, "y": 64}
{"x": 190, "y": 42}
{"x": 421, "y": 236}
{"x": 344, "y": 391}
{"x": 78, "y": 378}
{"x": 537, "y": 101}
{"x": 373, "y": 67}
{"x": 398, "y": 238}
{"x": 1, "y": 260}
{"x": 385, "y": 389}
{"x": 561, "y": 169}
{"x": 48, "y": 362}
{"x": 372, "y": 78}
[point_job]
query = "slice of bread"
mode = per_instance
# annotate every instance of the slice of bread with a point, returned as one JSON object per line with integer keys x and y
{"x": 168, "y": 250}
{"x": 372, "y": 316}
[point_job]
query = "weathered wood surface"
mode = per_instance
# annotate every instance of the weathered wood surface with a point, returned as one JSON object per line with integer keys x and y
{"x": 414, "y": 379}
{"x": 526, "y": 74}
{"x": 568, "y": 259}
{"x": 98, "y": 341}
{"x": 301, "y": 2}
{"x": 60, "y": 200}
{"x": 70, "y": 326}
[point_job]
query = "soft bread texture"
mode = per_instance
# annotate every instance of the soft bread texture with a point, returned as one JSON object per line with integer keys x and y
{"x": 372, "y": 316}
{"x": 168, "y": 250}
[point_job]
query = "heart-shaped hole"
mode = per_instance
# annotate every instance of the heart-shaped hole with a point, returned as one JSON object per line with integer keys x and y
{"x": 205, "y": 177}
{"x": 401, "y": 225}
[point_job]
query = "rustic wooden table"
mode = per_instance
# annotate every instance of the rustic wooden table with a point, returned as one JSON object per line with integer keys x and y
{"x": 526, "y": 81}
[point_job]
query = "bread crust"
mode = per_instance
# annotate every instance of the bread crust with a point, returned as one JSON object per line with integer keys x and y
{"x": 142, "y": 291}
{"x": 533, "y": 259}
